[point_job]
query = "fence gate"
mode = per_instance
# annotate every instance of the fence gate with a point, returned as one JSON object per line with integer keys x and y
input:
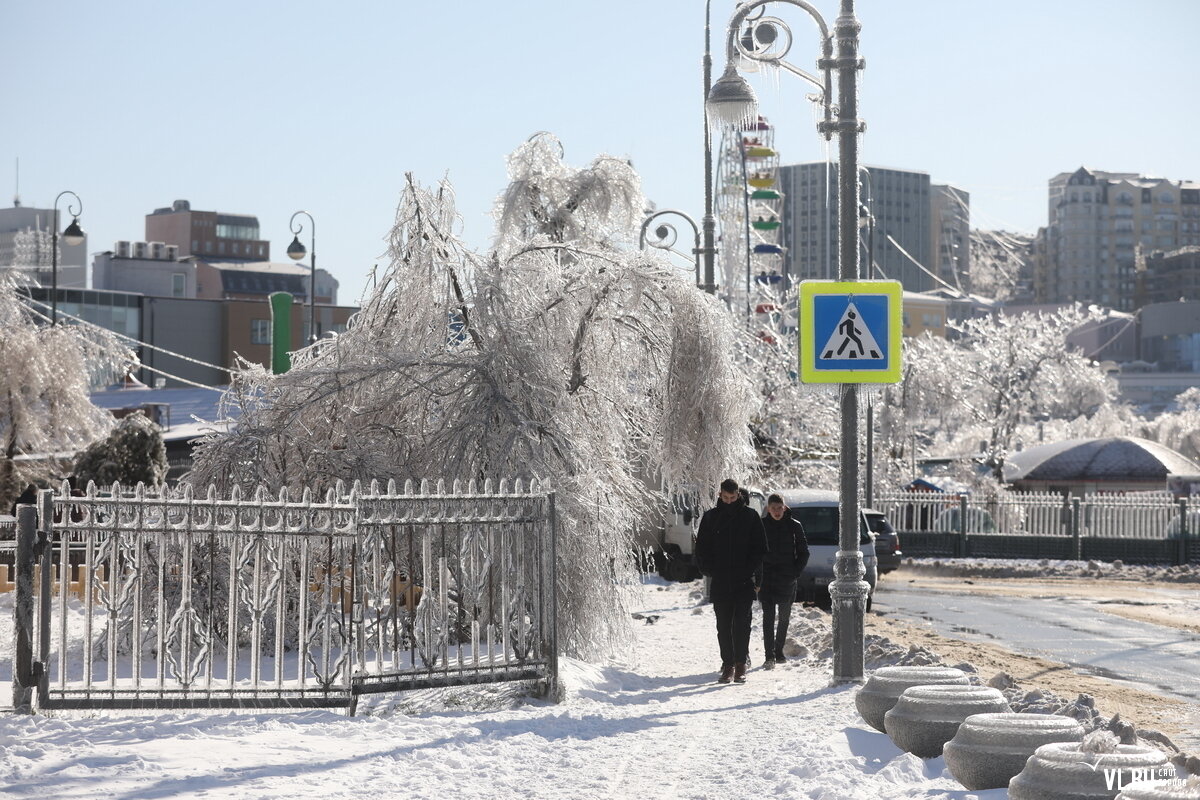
{"x": 169, "y": 600}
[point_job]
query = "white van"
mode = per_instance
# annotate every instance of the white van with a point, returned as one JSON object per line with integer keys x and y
{"x": 817, "y": 511}
{"x": 673, "y": 552}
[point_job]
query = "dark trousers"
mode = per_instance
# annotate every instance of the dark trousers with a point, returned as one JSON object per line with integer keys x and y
{"x": 733, "y": 626}
{"x": 772, "y": 595}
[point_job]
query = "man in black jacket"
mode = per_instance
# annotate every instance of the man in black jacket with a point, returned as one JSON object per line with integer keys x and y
{"x": 787, "y": 555}
{"x": 730, "y": 546}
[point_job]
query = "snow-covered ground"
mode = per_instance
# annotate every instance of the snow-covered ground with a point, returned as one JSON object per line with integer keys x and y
{"x": 658, "y": 727}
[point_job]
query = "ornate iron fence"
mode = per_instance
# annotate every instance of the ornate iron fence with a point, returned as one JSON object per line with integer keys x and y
{"x": 137, "y": 599}
{"x": 1141, "y": 527}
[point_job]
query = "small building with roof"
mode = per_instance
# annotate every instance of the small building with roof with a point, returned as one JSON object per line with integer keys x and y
{"x": 1114, "y": 464}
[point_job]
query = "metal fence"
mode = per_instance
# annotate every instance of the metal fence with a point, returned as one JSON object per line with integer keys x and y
{"x": 1139, "y": 527}
{"x": 134, "y": 599}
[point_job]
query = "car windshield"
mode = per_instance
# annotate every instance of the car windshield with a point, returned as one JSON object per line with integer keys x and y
{"x": 821, "y": 524}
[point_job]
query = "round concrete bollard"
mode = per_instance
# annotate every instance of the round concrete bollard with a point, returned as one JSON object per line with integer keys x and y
{"x": 926, "y": 717}
{"x": 881, "y": 691}
{"x": 1186, "y": 789}
{"x": 1064, "y": 771}
{"x": 989, "y": 750}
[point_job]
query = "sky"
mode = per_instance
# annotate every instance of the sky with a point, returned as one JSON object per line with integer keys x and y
{"x": 266, "y": 108}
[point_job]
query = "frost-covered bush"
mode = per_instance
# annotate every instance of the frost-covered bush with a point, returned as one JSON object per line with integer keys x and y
{"x": 132, "y": 453}
{"x": 44, "y": 383}
{"x": 561, "y": 353}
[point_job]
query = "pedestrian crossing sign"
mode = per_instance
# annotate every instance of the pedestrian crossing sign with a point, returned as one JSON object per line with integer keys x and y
{"x": 850, "y": 331}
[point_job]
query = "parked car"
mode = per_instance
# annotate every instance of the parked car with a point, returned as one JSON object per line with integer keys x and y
{"x": 817, "y": 511}
{"x": 887, "y": 541}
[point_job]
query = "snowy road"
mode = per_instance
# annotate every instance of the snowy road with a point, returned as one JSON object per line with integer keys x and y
{"x": 1072, "y": 630}
{"x": 657, "y": 728}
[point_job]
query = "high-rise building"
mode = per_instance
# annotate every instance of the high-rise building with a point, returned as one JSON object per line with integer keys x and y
{"x": 920, "y": 229}
{"x": 1099, "y": 222}
{"x": 210, "y": 235}
{"x": 1169, "y": 277}
{"x": 950, "y": 235}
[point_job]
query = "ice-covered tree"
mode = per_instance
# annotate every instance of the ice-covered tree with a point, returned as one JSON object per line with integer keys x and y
{"x": 795, "y": 425}
{"x": 132, "y": 453}
{"x": 560, "y": 353}
{"x": 1004, "y": 372}
{"x": 1180, "y": 429}
{"x": 999, "y": 261}
{"x": 44, "y": 384}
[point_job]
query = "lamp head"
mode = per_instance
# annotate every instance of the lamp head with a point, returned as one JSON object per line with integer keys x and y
{"x": 73, "y": 235}
{"x": 731, "y": 100}
{"x": 296, "y": 250}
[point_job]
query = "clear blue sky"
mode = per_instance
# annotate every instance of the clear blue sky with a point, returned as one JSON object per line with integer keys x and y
{"x": 268, "y": 107}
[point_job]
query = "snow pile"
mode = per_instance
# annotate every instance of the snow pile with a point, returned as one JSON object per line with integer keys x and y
{"x": 1052, "y": 568}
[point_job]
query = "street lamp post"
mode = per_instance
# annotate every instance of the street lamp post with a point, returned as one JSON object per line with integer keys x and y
{"x": 296, "y": 252}
{"x": 73, "y": 235}
{"x": 665, "y": 235}
{"x": 705, "y": 249}
{"x": 732, "y": 101}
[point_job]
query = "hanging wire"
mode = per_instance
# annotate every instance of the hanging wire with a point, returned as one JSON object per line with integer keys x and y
{"x": 37, "y": 313}
{"x": 128, "y": 338}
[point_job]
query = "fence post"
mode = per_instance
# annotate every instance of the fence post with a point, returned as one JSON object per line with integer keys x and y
{"x": 45, "y": 542}
{"x": 23, "y": 677}
{"x": 552, "y": 687}
{"x": 1181, "y": 550}
{"x": 961, "y": 545}
{"x": 1076, "y": 528}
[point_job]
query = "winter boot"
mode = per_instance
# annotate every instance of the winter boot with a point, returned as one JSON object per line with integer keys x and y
{"x": 726, "y": 674}
{"x": 779, "y": 657}
{"x": 739, "y": 672}
{"x": 769, "y": 664}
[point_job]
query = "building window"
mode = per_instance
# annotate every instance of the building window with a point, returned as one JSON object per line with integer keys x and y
{"x": 260, "y": 331}
{"x": 179, "y": 285}
{"x": 195, "y": 246}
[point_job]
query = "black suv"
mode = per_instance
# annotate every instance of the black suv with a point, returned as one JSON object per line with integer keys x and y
{"x": 887, "y": 541}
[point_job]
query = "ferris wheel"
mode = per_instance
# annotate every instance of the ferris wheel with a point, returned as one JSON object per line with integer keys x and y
{"x": 750, "y": 215}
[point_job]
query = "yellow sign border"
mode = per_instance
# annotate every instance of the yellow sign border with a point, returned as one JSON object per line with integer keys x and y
{"x": 807, "y": 327}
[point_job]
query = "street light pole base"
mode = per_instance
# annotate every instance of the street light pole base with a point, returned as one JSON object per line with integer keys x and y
{"x": 849, "y": 595}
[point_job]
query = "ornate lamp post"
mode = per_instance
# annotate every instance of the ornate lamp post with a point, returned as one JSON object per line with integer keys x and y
{"x": 665, "y": 236}
{"x": 73, "y": 235}
{"x": 732, "y": 100}
{"x": 296, "y": 252}
{"x": 665, "y": 233}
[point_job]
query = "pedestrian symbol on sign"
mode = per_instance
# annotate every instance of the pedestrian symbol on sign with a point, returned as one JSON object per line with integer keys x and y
{"x": 851, "y": 339}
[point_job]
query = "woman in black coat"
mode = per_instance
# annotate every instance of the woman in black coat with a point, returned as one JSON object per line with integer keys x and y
{"x": 787, "y": 555}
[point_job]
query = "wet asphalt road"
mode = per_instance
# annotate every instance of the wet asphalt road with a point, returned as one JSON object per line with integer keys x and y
{"x": 1074, "y": 631}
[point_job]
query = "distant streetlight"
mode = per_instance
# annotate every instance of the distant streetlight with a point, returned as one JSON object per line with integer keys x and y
{"x": 73, "y": 236}
{"x": 296, "y": 252}
{"x": 665, "y": 234}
